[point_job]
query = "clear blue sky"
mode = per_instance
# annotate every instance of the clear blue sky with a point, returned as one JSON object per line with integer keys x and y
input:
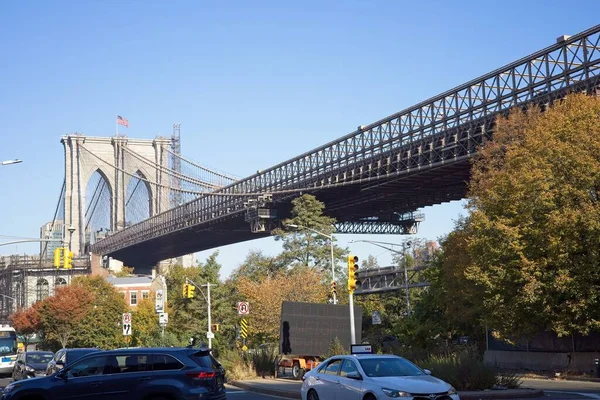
{"x": 252, "y": 83}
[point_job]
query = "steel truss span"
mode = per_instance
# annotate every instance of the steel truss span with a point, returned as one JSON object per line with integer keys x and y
{"x": 414, "y": 158}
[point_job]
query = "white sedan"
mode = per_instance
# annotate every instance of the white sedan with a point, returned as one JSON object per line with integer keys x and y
{"x": 373, "y": 377}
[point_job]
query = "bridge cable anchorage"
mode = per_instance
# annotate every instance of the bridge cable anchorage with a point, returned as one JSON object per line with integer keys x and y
{"x": 169, "y": 171}
{"x": 213, "y": 172}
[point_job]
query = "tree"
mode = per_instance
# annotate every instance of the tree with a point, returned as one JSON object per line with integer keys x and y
{"x": 266, "y": 296}
{"x": 62, "y": 313}
{"x": 257, "y": 266}
{"x": 101, "y": 325}
{"x": 27, "y": 321}
{"x": 303, "y": 247}
{"x": 125, "y": 272}
{"x": 535, "y": 218}
{"x": 145, "y": 320}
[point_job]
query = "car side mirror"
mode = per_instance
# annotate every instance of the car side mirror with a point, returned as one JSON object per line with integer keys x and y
{"x": 354, "y": 375}
{"x": 427, "y": 372}
{"x": 60, "y": 362}
{"x": 61, "y": 374}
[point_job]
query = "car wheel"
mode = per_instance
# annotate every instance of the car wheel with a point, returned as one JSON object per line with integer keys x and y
{"x": 312, "y": 395}
{"x": 370, "y": 397}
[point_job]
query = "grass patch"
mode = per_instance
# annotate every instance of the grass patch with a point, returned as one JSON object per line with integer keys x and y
{"x": 263, "y": 360}
{"x": 236, "y": 367}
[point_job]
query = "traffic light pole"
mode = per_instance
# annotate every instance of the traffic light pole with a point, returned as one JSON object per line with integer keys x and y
{"x": 352, "y": 330}
{"x": 209, "y": 332}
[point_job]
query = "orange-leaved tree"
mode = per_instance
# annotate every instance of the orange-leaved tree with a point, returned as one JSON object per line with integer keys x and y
{"x": 266, "y": 296}
{"x": 61, "y": 314}
{"x": 26, "y": 322}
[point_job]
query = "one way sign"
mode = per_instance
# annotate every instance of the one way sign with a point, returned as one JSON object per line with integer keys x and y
{"x": 126, "y": 324}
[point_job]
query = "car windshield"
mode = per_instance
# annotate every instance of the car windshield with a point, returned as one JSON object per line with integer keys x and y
{"x": 39, "y": 358}
{"x": 379, "y": 367}
{"x": 8, "y": 345}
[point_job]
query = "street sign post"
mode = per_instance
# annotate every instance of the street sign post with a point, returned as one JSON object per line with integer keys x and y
{"x": 127, "y": 324}
{"x": 163, "y": 318}
{"x": 243, "y": 308}
{"x": 159, "y": 304}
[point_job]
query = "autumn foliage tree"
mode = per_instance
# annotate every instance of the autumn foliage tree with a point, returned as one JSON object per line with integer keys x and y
{"x": 266, "y": 296}
{"x": 26, "y": 322}
{"x": 62, "y": 313}
{"x": 535, "y": 220}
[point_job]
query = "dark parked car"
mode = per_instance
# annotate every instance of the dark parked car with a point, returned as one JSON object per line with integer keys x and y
{"x": 31, "y": 364}
{"x": 130, "y": 374}
{"x": 64, "y": 357}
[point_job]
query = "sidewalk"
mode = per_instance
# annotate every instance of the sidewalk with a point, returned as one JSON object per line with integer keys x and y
{"x": 291, "y": 389}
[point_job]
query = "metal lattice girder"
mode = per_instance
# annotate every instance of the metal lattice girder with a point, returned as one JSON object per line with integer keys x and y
{"x": 387, "y": 279}
{"x": 402, "y": 224}
{"x": 443, "y": 130}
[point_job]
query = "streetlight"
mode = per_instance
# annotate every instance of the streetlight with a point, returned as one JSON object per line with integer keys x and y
{"x": 330, "y": 237}
{"x": 403, "y": 253}
{"x": 71, "y": 229}
{"x": 8, "y": 162}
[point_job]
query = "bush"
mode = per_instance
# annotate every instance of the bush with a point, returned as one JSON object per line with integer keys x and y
{"x": 464, "y": 370}
{"x": 264, "y": 360}
{"x": 236, "y": 367}
{"x": 335, "y": 349}
{"x": 509, "y": 380}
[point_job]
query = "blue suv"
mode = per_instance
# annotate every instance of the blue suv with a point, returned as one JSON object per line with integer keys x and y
{"x": 130, "y": 374}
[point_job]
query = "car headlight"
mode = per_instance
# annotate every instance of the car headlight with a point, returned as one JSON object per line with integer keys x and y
{"x": 29, "y": 369}
{"x": 451, "y": 391}
{"x": 395, "y": 393}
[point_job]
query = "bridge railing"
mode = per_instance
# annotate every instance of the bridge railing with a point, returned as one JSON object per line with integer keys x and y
{"x": 570, "y": 63}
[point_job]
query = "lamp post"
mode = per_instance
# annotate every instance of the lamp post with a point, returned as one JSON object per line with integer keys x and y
{"x": 9, "y": 162}
{"x": 403, "y": 253}
{"x": 330, "y": 237}
{"x": 71, "y": 229}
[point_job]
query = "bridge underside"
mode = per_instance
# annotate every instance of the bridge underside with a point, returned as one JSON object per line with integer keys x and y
{"x": 351, "y": 203}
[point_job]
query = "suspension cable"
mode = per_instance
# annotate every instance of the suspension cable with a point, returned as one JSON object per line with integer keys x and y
{"x": 222, "y": 175}
{"x": 170, "y": 171}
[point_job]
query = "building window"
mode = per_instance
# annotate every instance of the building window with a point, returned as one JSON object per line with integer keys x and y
{"x": 145, "y": 294}
{"x": 60, "y": 282}
{"x": 42, "y": 289}
{"x": 133, "y": 298}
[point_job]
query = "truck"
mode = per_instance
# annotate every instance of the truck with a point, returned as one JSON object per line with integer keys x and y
{"x": 307, "y": 330}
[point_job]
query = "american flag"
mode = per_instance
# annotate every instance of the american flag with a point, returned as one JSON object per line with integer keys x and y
{"x": 122, "y": 121}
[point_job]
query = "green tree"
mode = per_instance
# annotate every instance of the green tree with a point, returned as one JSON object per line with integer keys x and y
{"x": 101, "y": 326}
{"x": 145, "y": 321}
{"x": 257, "y": 266}
{"x": 303, "y": 247}
{"x": 535, "y": 220}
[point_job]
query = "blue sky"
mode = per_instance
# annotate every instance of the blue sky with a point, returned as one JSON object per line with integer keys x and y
{"x": 252, "y": 83}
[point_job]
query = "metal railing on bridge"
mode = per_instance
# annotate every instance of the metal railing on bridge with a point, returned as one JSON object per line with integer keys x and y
{"x": 445, "y": 129}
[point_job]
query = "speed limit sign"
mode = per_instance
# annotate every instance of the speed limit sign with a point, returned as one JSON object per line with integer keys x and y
{"x": 243, "y": 308}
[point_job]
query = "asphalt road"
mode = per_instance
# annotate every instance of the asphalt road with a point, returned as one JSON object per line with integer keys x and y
{"x": 233, "y": 393}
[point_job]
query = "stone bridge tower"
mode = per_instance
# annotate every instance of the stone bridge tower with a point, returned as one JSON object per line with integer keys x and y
{"x": 113, "y": 159}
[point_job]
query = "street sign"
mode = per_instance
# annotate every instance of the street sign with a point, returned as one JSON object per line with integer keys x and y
{"x": 159, "y": 303}
{"x": 210, "y": 335}
{"x": 163, "y": 318}
{"x": 376, "y": 318}
{"x": 127, "y": 324}
{"x": 244, "y": 348}
{"x": 244, "y": 328}
{"x": 243, "y": 308}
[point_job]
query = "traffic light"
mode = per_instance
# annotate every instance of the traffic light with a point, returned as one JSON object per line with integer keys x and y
{"x": 68, "y": 257}
{"x": 333, "y": 289}
{"x": 186, "y": 290}
{"x": 352, "y": 267}
{"x": 214, "y": 328}
{"x": 191, "y": 289}
{"x": 57, "y": 256}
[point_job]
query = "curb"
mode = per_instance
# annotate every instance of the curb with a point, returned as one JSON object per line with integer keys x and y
{"x": 496, "y": 394}
{"x": 501, "y": 394}
{"x": 272, "y": 392}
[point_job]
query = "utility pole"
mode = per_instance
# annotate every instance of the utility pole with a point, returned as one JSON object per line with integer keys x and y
{"x": 209, "y": 332}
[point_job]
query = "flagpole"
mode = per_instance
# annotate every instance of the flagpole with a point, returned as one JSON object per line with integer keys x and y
{"x": 117, "y": 123}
